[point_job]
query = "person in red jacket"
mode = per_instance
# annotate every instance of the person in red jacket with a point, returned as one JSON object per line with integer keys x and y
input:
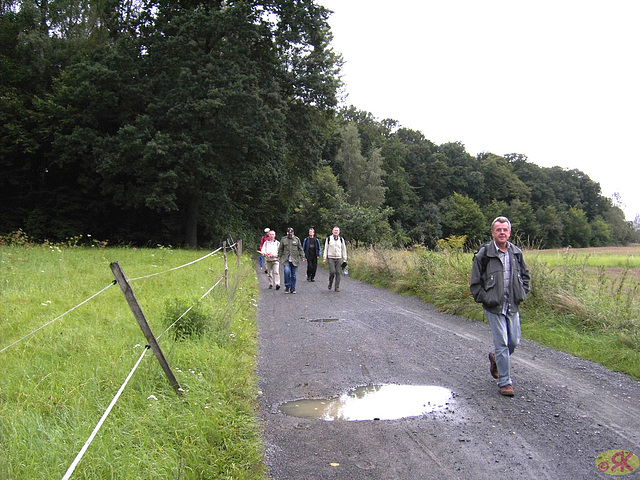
{"x": 264, "y": 238}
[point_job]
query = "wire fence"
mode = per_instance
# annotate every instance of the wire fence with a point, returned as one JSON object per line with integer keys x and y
{"x": 57, "y": 318}
{"x": 101, "y": 291}
{"x": 233, "y": 246}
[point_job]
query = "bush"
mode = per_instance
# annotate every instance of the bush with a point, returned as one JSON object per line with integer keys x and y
{"x": 184, "y": 319}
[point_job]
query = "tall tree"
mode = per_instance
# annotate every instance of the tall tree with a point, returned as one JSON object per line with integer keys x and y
{"x": 400, "y": 195}
{"x": 576, "y": 228}
{"x": 319, "y": 202}
{"x": 466, "y": 174}
{"x": 230, "y": 96}
{"x": 600, "y": 233}
{"x": 461, "y": 215}
{"x": 362, "y": 175}
{"x": 551, "y": 226}
{"x": 500, "y": 182}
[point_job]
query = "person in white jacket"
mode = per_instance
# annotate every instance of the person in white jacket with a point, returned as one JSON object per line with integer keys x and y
{"x": 335, "y": 251}
{"x": 270, "y": 252}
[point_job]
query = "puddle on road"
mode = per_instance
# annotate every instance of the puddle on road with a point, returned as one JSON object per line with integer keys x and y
{"x": 374, "y": 402}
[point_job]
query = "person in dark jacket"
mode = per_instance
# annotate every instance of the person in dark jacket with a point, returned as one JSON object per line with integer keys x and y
{"x": 312, "y": 251}
{"x": 291, "y": 255}
{"x": 500, "y": 282}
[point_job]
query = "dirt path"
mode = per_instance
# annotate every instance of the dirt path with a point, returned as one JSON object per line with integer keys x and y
{"x": 565, "y": 413}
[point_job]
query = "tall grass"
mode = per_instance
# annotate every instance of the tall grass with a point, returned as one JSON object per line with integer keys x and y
{"x": 56, "y": 384}
{"x": 572, "y": 307}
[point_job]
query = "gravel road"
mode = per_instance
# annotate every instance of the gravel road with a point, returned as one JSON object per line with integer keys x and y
{"x": 566, "y": 411}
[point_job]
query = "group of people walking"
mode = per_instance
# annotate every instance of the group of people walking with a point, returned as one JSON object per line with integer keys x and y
{"x": 500, "y": 281}
{"x": 291, "y": 253}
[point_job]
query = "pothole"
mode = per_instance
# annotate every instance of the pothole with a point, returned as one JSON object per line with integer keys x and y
{"x": 374, "y": 402}
{"x": 323, "y": 320}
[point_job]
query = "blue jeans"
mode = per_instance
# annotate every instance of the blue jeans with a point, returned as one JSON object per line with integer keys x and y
{"x": 505, "y": 330}
{"x": 261, "y": 262}
{"x": 290, "y": 275}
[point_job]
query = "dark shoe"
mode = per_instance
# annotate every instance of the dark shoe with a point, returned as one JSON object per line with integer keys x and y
{"x": 292, "y": 291}
{"x": 308, "y": 279}
{"x": 270, "y": 287}
{"x": 286, "y": 289}
{"x": 277, "y": 287}
{"x": 507, "y": 391}
{"x": 266, "y": 272}
{"x": 493, "y": 368}
{"x": 312, "y": 280}
{"x": 337, "y": 289}
{"x": 330, "y": 286}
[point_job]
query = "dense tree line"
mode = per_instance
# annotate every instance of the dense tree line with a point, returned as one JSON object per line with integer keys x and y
{"x": 438, "y": 191}
{"x": 182, "y": 121}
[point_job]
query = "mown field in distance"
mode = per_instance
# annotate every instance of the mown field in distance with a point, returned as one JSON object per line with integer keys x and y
{"x": 600, "y": 257}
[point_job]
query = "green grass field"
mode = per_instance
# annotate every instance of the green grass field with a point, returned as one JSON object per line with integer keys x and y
{"x": 604, "y": 257}
{"x": 57, "y": 382}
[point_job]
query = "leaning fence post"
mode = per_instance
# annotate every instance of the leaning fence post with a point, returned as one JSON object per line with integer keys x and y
{"x": 226, "y": 265}
{"x": 144, "y": 325}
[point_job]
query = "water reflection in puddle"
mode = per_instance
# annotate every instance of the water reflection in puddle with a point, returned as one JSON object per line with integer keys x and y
{"x": 374, "y": 402}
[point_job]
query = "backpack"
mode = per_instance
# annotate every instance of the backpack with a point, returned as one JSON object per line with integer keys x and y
{"x": 484, "y": 260}
{"x": 329, "y": 238}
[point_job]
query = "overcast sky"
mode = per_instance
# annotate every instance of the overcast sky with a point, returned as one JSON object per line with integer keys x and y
{"x": 555, "y": 80}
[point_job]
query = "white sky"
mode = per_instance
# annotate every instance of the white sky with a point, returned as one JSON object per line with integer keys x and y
{"x": 555, "y": 80}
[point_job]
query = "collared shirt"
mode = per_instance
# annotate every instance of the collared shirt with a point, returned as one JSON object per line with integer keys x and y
{"x": 505, "y": 258}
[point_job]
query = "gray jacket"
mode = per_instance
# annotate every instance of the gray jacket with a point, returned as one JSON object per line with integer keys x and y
{"x": 487, "y": 281}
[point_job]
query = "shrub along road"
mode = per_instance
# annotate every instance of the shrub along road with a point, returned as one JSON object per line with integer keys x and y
{"x": 566, "y": 411}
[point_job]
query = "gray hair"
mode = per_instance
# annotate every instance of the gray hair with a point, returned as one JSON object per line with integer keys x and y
{"x": 500, "y": 220}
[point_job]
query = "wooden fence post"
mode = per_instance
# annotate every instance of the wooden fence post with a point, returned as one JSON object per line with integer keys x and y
{"x": 144, "y": 325}
{"x": 226, "y": 265}
{"x": 239, "y": 251}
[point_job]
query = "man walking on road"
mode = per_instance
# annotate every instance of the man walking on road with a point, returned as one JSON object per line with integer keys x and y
{"x": 291, "y": 255}
{"x": 335, "y": 252}
{"x": 312, "y": 251}
{"x": 500, "y": 281}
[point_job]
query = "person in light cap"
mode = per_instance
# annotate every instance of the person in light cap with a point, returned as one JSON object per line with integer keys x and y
{"x": 291, "y": 255}
{"x": 270, "y": 252}
{"x": 264, "y": 238}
